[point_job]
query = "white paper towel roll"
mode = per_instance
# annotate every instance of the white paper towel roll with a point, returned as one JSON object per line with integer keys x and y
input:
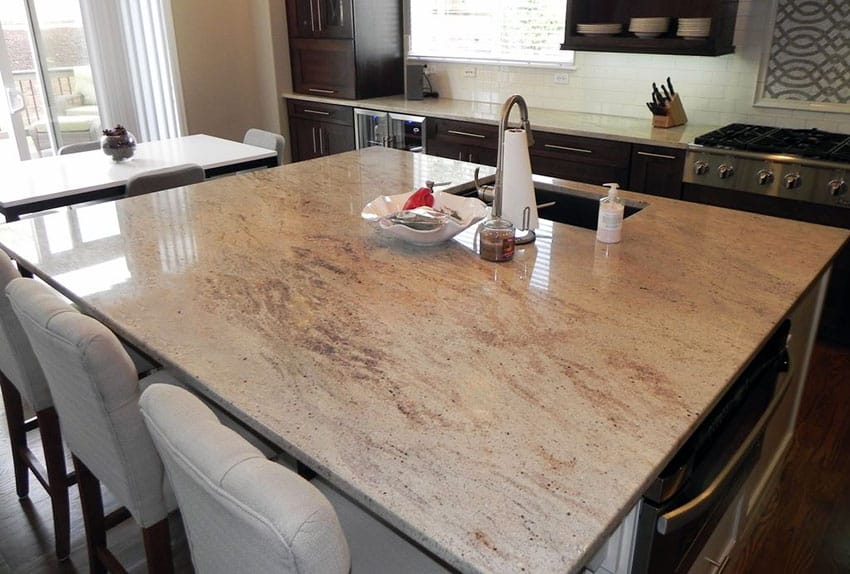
{"x": 517, "y": 186}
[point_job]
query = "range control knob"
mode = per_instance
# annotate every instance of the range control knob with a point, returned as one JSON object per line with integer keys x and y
{"x": 837, "y": 187}
{"x": 700, "y": 167}
{"x": 765, "y": 176}
{"x": 725, "y": 171}
{"x": 793, "y": 180}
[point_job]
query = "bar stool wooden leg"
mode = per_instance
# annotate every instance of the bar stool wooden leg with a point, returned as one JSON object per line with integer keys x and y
{"x": 57, "y": 477}
{"x": 17, "y": 434}
{"x": 91, "y": 502}
{"x": 157, "y": 541}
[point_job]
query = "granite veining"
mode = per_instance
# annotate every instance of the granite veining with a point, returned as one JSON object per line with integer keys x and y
{"x": 505, "y": 416}
{"x": 632, "y": 130}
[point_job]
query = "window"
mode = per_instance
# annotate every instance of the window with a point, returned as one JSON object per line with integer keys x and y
{"x": 526, "y": 32}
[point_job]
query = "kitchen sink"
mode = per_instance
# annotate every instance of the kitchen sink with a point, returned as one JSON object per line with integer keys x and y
{"x": 571, "y": 206}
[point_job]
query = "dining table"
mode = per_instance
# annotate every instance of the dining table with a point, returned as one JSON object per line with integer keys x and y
{"x": 62, "y": 180}
{"x": 504, "y": 417}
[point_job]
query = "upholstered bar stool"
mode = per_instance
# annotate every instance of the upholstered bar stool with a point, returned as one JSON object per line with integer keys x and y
{"x": 244, "y": 513}
{"x": 165, "y": 178}
{"x": 21, "y": 380}
{"x": 266, "y": 139}
{"x": 95, "y": 391}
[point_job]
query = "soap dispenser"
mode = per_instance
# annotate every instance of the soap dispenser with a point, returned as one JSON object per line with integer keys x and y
{"x": 609, "y": 226}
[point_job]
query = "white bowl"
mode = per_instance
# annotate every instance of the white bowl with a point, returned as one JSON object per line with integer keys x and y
{"x": 469, "y": 210}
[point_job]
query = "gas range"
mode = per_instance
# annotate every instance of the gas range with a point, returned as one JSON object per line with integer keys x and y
{"x": 804, "y": 165}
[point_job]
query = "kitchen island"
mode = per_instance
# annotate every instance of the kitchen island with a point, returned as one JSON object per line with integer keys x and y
{"x": 506, "y": 417}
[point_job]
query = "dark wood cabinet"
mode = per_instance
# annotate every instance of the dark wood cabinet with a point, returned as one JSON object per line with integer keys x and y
{"x": 589, "y": 160}
{"x": 318, "y": 129}
{"x": 464, "y": 141}
{"x": 657, "y": 170}
{"x": 346, "y": 48}
{"x": 723, "y": 14}
{"x": 320, "y": 18}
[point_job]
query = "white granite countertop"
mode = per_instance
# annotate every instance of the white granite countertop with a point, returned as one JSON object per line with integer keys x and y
{"x": 505, "y": 416}
{"x": 573, "y": 123}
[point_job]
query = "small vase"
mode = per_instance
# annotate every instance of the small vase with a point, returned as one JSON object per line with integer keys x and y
{"x": 119, "y": 145}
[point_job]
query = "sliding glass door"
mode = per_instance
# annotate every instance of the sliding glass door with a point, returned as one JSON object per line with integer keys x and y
{"x": 49, "y": 75}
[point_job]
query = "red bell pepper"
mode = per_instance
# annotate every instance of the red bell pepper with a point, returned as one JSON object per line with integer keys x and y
{"x": 420, "y": 197}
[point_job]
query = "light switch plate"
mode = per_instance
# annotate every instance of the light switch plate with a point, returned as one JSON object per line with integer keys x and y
{"x": 562, "y": 78}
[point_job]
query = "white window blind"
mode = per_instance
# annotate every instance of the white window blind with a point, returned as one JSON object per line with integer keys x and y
{"x": 503, "y": 31}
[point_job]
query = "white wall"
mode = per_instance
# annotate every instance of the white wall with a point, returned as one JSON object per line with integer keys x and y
{"x": 230, "y": 56}
{"x": 714, "y": 91}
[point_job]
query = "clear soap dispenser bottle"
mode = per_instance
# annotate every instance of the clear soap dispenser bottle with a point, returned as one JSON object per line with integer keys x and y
{"x": 609, "y": 226}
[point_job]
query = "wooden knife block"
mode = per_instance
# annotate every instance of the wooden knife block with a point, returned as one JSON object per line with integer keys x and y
{"x": 676, "y": 115}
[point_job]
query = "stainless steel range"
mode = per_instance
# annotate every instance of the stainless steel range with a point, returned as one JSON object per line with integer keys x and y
{"x": 791, "y": 173}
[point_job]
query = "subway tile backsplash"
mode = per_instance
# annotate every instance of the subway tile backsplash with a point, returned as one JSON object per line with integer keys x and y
{"x": 714, "y": 90}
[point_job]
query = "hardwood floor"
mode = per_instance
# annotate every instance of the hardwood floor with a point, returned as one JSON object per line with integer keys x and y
{"x": 804, "y": 527}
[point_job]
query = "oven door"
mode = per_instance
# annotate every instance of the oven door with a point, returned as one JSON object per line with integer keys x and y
{"x": 679, "y": 513}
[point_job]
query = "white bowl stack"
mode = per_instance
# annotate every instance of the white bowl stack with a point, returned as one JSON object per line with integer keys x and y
{"x": 694, "y": 28}
{"x": 648, "y": 27}
{"x": 599, "y": 29}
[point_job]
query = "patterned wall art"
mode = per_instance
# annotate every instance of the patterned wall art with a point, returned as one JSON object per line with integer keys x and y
{"x": 806, "y": 63}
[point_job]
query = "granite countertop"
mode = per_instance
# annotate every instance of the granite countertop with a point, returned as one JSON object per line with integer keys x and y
{"x": 602, "y": 126}
{"x": 505, "y": 416}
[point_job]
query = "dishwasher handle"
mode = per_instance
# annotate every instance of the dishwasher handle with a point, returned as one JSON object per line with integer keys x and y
{"x": 678, "y": 517}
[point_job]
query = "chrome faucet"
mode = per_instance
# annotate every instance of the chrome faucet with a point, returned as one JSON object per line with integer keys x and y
{"x": 518, "y": 100}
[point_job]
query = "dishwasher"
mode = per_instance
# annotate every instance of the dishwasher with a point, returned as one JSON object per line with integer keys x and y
{"x": 680, "y": 510}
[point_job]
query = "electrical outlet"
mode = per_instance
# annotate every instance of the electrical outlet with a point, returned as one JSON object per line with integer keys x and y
{"x": 470, "y": 72}
{"x": 562, "y": 78}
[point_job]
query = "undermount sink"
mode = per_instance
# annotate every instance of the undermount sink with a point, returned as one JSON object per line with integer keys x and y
{"x": 571, "y": 206}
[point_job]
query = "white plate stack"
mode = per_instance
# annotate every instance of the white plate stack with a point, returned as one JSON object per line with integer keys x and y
{"x": 694, "y": 28}
{"x": 648, "y": 27}
{"x": 599, "y": 29}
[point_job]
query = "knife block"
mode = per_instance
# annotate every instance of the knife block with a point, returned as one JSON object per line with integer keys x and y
{"x": 676, "y": 115}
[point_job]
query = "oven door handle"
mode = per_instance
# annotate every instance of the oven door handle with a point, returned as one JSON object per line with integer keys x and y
{"x": 673, "y": 520}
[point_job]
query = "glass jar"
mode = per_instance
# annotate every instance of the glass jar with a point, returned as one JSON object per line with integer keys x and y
{"x": 496, "y": 240}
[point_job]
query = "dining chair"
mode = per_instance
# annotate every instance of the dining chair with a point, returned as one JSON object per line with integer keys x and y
{"x": 95, "y": 391}
{"x": 165, "y": 178}
{"x": 21, "y": 379}
{"x": 78, "y": 147}
{"x": 266, "y": 139}
{"x": 245, "y": 513}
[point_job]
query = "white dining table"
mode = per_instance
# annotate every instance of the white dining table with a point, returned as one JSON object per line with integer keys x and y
{"x": 58, "y": 181}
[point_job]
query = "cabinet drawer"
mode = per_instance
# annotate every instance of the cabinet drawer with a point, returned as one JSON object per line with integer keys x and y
{"x": 586, "y": 150}
{"x": 323, "y": 67}
{"x": 463, "y": 133}
{"x": 657, "y": 170}
{"x": 327, "y": 113}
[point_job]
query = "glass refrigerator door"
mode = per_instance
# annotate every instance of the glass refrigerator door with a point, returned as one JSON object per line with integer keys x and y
{"x": 371, "y": 128}
{"x": 407, "y": 132}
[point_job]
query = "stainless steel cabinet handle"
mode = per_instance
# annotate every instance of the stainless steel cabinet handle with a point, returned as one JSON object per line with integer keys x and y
{"x": 460, "y": 156}
{"x": 658, "y": 155}
{"x": 319, "y": 13}
{"x": 321, "y": 141}
{"x": 312, "y": 18}
{"x": 683, "y": 515}
{"x": 565, "y": 148}
{"x": 317, "y": 112}
{"x": 720, "y": 566}
{"x": 313, "y": 131}
{"x": 467, "y": 134}
{"x": 321, "y": 91}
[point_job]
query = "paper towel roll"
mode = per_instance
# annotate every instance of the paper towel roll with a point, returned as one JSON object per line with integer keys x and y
{"x": 517, "y": 186}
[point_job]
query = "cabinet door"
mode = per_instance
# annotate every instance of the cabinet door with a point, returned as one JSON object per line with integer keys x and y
{"x": 657, "y": 171}
{"x": 304, "y": 138}
{"x": 320, "y": 18}
{"x": 464, "y": 141}
{"x": 311, "y": 139}
{"x": 334, "y": 18}
{"x": 588, "y": 160}
{"x": 323, "y": 67}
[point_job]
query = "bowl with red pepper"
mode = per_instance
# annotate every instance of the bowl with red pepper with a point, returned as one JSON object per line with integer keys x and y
{"x": 423, "y": 217}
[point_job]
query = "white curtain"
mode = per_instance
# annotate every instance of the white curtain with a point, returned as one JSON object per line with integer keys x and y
{"x": 133, "y": 59}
